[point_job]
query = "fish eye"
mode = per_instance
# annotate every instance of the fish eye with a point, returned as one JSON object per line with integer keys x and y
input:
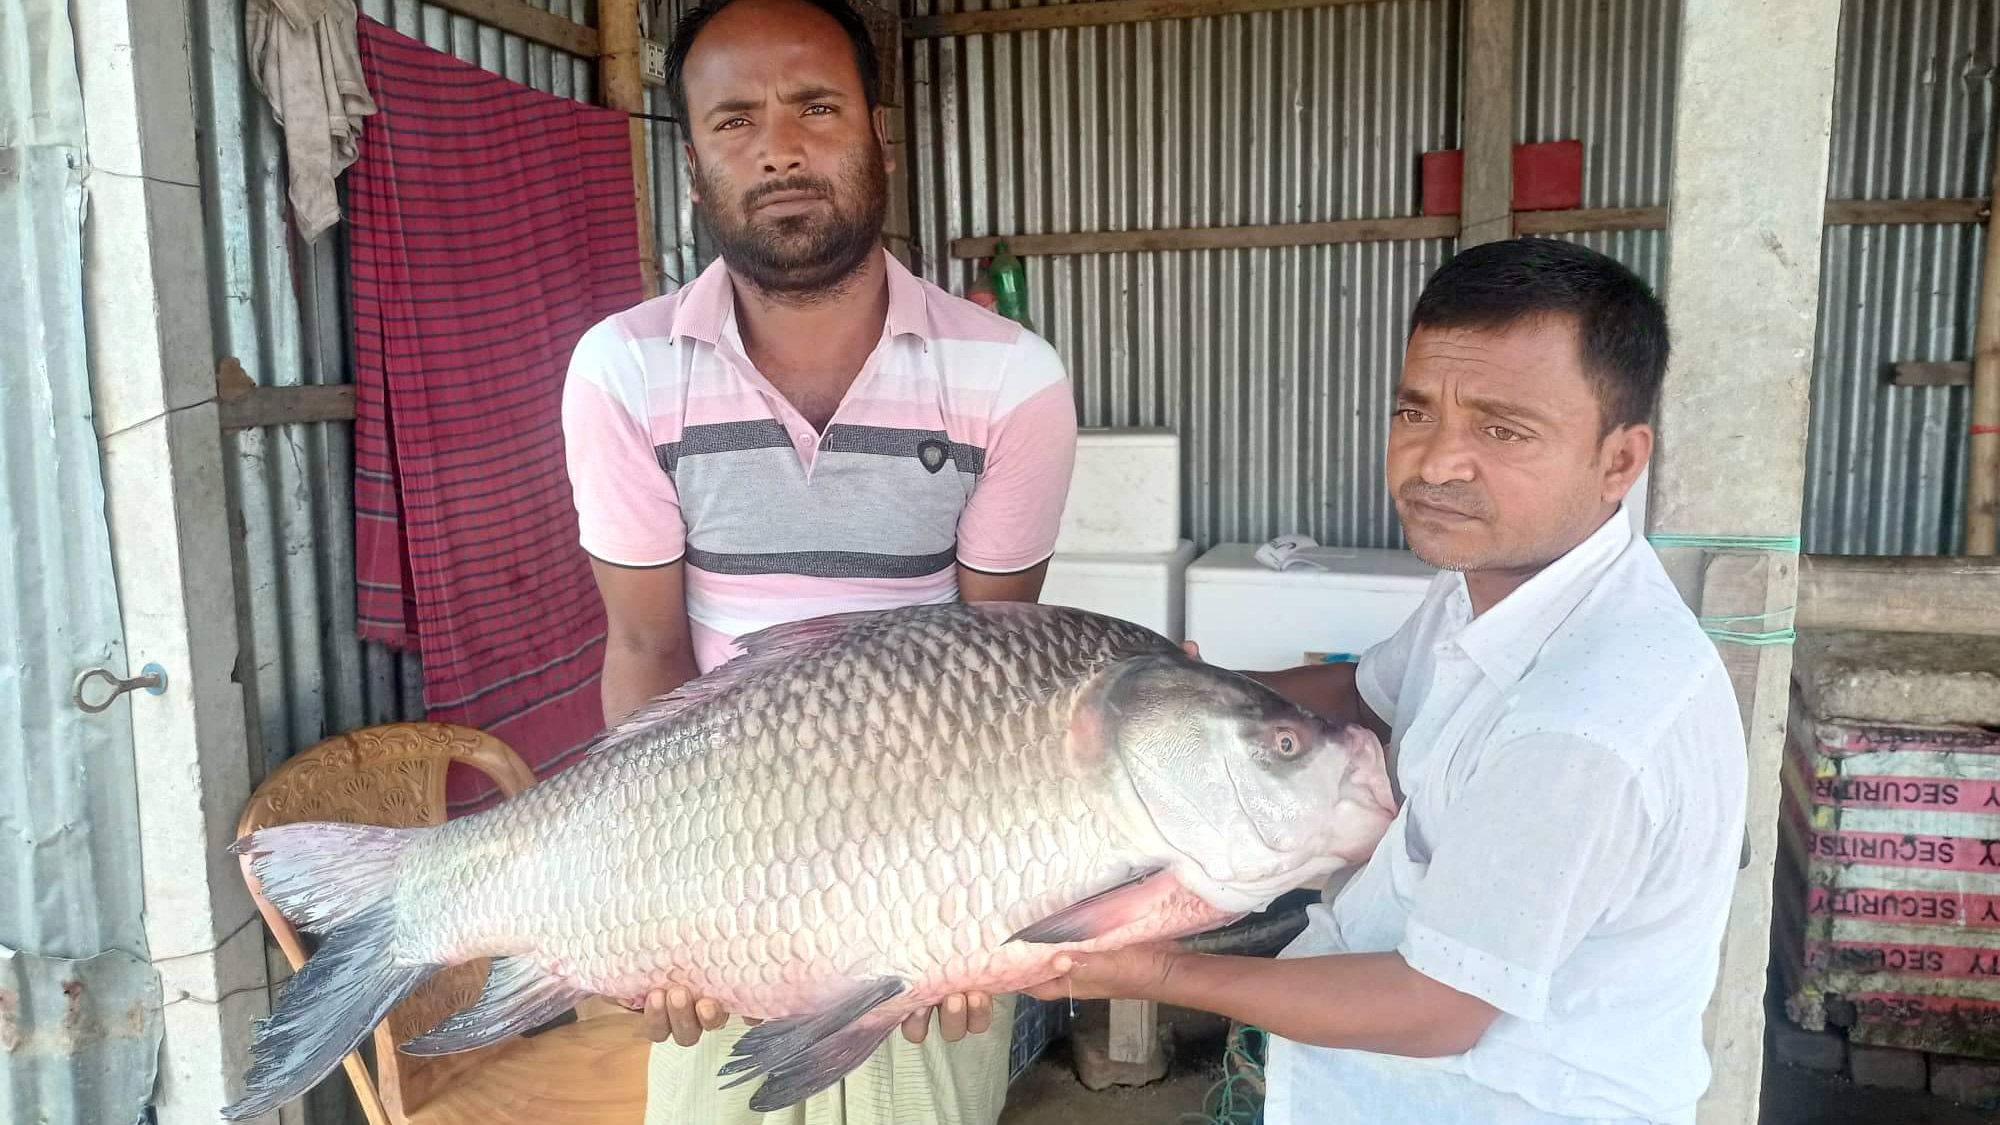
{"x": 1288, "y": 743}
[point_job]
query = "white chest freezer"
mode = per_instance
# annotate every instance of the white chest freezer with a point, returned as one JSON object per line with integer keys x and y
{"x": 1146, "y": 589}
{"x": 1125, "y": 494}
{"x": 1246, "y": 616}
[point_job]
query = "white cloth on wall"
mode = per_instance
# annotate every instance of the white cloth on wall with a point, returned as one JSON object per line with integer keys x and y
{"x": 304, "y": 59}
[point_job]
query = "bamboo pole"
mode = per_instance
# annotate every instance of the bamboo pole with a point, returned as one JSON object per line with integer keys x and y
{"x": 622, "y": 87}
{"x": 1982, "y": 493}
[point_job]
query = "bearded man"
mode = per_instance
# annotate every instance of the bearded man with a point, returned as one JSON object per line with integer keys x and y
{"x": 805, "y": 429}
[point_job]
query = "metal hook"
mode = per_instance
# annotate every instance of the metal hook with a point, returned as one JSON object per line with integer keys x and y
{"x": 152, "y": 678}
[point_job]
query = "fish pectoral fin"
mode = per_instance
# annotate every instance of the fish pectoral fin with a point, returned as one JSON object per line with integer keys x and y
{"x": 802, "y": 1055}
{"x": 1103, "y": 912}
{"x": 519, "y": 997}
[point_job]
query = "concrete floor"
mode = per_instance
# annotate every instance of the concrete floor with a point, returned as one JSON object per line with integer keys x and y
{"x": 1049, "y": 1094}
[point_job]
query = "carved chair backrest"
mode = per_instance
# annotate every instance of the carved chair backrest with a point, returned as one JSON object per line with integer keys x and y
{"x": 391, "y": 775}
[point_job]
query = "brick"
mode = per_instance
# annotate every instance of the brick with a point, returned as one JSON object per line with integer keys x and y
{"x": 1824, "y": 1051}
{"x": 1887, "y": 1068}
{"x": 1965, "y": 1080}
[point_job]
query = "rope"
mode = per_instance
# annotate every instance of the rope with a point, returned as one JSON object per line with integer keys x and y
{"x": 1786, "y": 544}
{"x": 1238, "y": 1099}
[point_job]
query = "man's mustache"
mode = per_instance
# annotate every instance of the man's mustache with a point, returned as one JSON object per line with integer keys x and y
{"x": 808, "y": 184}
{"x": 1452, "y": 497}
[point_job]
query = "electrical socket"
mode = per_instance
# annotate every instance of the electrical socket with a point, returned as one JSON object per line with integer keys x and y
{"x": 652, "y": 63}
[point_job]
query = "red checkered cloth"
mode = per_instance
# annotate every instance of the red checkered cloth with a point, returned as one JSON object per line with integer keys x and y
{"x": 490, "y": 225}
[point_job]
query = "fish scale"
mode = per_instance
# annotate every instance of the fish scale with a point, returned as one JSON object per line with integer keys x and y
{"x": 738, "y": 818}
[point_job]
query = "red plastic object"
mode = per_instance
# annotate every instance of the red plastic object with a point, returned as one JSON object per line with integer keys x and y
{"x": 1548, "y": 176}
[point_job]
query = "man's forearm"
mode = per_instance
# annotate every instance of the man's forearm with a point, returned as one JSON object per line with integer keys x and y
{"x": 634, "y": 675}
{"x": 1327, "y": 690}
{"x": 1364, "y": 1001}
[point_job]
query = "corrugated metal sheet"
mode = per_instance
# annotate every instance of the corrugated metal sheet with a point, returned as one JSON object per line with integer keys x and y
{"x": 79, "y": 1001}
{"x": 1274, "y": 365}
{"x": 281, "y": 310}
{"x": 1913, "y": 118}
{"x": 1602, "y": 72}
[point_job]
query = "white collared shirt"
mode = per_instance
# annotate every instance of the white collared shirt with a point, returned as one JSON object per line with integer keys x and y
{"x": 1573, "y": 769}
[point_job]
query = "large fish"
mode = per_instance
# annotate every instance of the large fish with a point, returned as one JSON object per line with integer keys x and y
{"x": 856, "y": 818}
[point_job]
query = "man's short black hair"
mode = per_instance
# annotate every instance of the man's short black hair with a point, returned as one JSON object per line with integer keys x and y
{"x": 691, "y": 24}
{"x": 1621, "y": 325}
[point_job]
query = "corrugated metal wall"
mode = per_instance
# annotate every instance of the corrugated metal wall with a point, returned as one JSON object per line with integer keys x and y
{"x": 1274, "y": 365}
{"x": 280, "y": 308}
{"x": 1602, "y": 72}
{"x": 79, "y": 997}
{"x": 1913, "y": 119}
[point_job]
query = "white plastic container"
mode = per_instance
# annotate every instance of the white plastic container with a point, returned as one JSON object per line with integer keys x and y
{"x": 1147, "y": 590}
{"x": 1246, "y": 616}
{"x": 1125, "y": 495}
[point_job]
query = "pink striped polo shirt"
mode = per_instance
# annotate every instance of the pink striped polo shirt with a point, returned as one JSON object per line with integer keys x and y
{"x": 954, "y": 445}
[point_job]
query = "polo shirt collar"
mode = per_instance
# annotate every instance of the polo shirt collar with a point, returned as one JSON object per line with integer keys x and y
{"x": 708, "y": 304}
{"x": 1505, "y": 640}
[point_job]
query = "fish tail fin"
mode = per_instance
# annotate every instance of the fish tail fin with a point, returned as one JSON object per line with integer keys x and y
{"x": 339, "y": 880}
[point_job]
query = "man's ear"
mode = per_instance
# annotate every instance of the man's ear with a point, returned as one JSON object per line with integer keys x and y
{"x": 1625, "y": 453}
{"x": 694, "y": 171}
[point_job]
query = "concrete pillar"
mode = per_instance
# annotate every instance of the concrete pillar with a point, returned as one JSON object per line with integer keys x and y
{"x": 1751, "y": 122}
{"x": 153, "y": 390}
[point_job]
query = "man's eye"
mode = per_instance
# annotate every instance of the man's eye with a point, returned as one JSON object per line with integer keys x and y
{"x": 732, "y": 123}
{"x": 819, "y": 108}
{"x": 1502, "y": 433}
{"x": 1409, "y": 415}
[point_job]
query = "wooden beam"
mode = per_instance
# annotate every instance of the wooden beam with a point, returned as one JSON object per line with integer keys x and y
{"x": 1589, "y": 219}
{"x": 1095, "y": 14}
{"x": 1982, "y": 491}
{"x": 278, "y": 406}
{"x": 529, "y": 22}
{"x": 1213, "y": 238}
{"x": 1931, "y": 375}
{"x": 621, "y": 85}
{"x": 1871, "y": 212}
{"x": 1900, "y": 594}
{"x": 1838, "y": 212}
{"x": 1486, "y": 193}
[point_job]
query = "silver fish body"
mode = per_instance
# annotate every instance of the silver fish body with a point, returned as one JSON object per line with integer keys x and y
{"x": 860, "y": 816}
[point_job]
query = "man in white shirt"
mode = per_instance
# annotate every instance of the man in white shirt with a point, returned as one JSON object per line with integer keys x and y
{"x": 1536, "y": 937}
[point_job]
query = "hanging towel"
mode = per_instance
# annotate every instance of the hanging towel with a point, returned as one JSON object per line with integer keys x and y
{"x": 304, "y": 60}
{"x": 490, "y": 225}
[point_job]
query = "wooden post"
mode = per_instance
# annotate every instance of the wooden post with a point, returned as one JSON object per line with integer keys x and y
{"x": 1742, "y": 290}
{"x": 1982, "y": 493}
{"x": 621, "y": 86}
{"x": 1486, "y": 201}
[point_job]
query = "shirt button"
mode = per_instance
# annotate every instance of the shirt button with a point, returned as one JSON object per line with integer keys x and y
{"x": 804, "y": 439}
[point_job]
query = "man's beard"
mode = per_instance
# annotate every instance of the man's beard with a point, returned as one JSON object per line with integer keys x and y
{"x": 802, "y": 258}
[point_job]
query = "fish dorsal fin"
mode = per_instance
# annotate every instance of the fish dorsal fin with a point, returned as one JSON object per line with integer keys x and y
{"x": 519, "y": 997}
{"x": 1107, "y": 910}
{"x": 763, "y": 651}
{"x": 802, "y": 1055}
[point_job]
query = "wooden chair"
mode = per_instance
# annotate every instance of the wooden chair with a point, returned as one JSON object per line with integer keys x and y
{"x": 590, "y": 1072}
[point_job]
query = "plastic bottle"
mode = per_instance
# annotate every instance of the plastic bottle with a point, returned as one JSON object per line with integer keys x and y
{"x": 1010, "y": 285}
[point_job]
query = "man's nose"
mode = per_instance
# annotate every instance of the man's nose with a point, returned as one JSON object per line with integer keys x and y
{"x": 1447, "y": 456}
{"x": 784, "y": 151}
